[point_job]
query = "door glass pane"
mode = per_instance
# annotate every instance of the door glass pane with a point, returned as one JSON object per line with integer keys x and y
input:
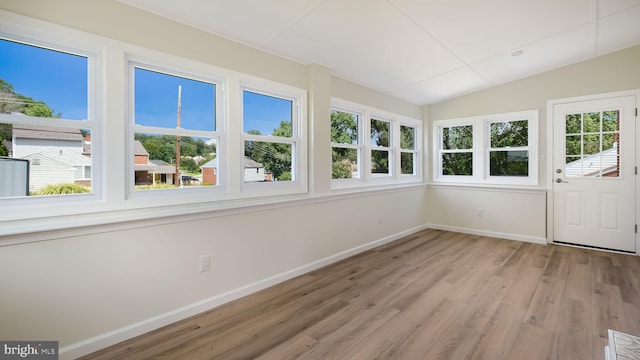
{"x": 592, "y": 150}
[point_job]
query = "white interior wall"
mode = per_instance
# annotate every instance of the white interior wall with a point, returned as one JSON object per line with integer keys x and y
{"x": 514, "y": 212}
{"x": 91, "y": 287}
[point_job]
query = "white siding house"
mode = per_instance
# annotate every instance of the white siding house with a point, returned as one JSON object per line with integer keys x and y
{"x": 57, "y": 166}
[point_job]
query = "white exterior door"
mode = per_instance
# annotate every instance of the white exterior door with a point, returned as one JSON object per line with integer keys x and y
{"x": 594, "y": 173}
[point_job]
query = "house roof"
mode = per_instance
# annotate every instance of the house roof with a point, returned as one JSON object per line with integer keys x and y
{"x": 594, "y": 165}
{"x": 167, "y": 169}
{"x": 46, "y": 132}
{"x": 138, "y": 149}
{"x": 213, "y": 163}
{"x": 250, "y": 163}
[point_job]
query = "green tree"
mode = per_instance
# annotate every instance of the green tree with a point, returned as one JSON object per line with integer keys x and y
{"x": 344, "y": 130}
{"x": 276, "y": 157}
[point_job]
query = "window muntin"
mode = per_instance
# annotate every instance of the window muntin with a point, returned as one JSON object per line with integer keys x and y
{"x": 271, "y": 140}
{"x": 174, "y": 122}
{"x": 592, "y": 144}
{"x": 47, "y": 117}
{"x": 345, "y": 145}
{"x": 381, "y": 151}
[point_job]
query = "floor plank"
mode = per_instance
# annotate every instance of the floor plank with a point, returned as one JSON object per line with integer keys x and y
{"x": 430, "y": 295}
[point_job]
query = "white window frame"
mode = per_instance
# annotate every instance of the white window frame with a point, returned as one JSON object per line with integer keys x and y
{"x": 298, "y": 139}
{"x": 218, "y": 134}
{"x": 481, "y": 149}
{"x": 394, "y": 177}
{"x": 42, "y": 35}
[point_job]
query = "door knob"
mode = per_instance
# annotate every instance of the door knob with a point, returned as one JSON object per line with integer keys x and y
{"x": 558, "y": 180}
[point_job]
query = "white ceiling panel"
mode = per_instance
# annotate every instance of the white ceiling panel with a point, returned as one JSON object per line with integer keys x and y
{"x": 444, "y": 86}
{"x": 421, "y": 51}
{"x": 476, "y": 30}
{"x": 619, "y": 30}
{"x": 376, "y": 44}
{"x": 552, "y": 52}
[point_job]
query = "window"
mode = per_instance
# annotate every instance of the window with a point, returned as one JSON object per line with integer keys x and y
{"x": 408, "y": 152}
{"x": 345, "y": 144}
{"x": 175, "y": 134}
{"x": 381, "y": 151}
{"x": 492, "y": 149}
{"x": 273, "y": 148}
{"x": 593, "y": 144}
{"x": 390, "y": 154}
{"x": 47, "y": 117}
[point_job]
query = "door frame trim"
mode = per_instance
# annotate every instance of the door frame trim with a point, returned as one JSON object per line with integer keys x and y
{"x": 550, "y": 151}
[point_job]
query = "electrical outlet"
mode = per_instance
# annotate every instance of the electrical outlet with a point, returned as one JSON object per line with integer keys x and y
{"x": 204, "y": 263}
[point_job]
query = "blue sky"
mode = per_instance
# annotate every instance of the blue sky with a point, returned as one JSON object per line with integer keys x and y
{"x": 60, "y": 80}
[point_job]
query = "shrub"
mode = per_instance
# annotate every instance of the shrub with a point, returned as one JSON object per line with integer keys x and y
{"x": 58, "y": 189}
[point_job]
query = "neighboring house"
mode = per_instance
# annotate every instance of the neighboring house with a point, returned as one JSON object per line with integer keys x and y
{"x": 602, "y": 164}
{"x": 56, "y": 155}
{"x": 58, "y": 166}
{"x": 253, "y": 171}
{"x": 151, "y": 172}
{"x": 210, "y": 172}
{"x": 31, "y": 139}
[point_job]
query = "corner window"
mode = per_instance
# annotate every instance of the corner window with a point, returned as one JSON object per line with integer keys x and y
{"x": 372, "y": 147}
{"x": 490, "y": 149}
{"x": 47, "y": 121}
{"x": 174, "y": 124}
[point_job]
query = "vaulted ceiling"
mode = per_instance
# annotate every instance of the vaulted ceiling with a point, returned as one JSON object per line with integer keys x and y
{"x": 423, "y": 51}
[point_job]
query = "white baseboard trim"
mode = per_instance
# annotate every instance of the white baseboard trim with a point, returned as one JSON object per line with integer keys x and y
{"x": 102, "y": 341}
{"x": 495, "y": 234}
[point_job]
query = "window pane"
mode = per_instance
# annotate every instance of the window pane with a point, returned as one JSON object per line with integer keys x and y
{"x": 407, "y": 163}
{"x": 345, "y": 163}
{"x": 591, "y": 144}
{"x": 457, "y": 163}
{"x": 573, "y": 124}
{"x": 157, "y": 96}
{"x": 379, "y": 162}
{"x": 43, "y": 83}
{"x": 155, "y": 165}
{"x": 407, "y": 137}
{"x": 610, "y": 121}
{"x": 457, "y": 137}
{"x": 510, "y": 133}
{"x": 509, "y": 163}
{"x": 266, "y": 115}
{"x": 380, "y": 132}
{"x": 267, "y": 161}
{"x": 591, "y": 122}
{"x": 59, "y": 158}
{"x": 344, "y": 127}
{"x": 573, "y": 145}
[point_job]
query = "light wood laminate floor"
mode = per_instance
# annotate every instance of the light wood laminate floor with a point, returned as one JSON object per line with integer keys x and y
{"x": 431, "y": 295}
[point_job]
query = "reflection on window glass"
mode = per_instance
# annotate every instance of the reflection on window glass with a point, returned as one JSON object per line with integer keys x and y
{"x": 267, "y": 161}
{"x": 457, "y": 163}
{"x": 457, "y": 137}
{"x": 509, "y": 163}
{"x": 407, "y": 137}
{"x": 156, "y": 166}
{"x": 592, "y": 144}
{"x": 157, "y": 96}
{"x": 407, "y": 163}
{"x": 266, "y": 115}
{"x": 43, "y": 160}
{"x": 344, "y": 163}
{"x": 380, "y": 133}
{"x": 379, "y": 162}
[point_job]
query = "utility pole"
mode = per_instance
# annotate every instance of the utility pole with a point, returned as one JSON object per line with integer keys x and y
{"x": 177, "y": 181}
